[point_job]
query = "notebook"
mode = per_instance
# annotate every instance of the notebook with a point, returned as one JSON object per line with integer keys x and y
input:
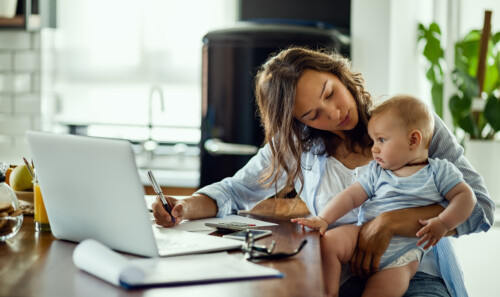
{"x": 92, "y": 190}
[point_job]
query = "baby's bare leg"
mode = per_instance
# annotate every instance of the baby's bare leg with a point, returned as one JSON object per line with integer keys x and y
{"x": 337, "y": 246}
{"x": 390, "y": 282}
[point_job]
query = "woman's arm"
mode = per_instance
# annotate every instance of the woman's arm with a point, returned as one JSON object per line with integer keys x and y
{"x": 375, "y": 235}
{"x": 241, "y": 191}
{"x": 445, "y": 146}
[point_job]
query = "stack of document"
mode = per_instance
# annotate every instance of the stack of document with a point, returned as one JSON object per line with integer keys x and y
{"x": 99, "y": 260}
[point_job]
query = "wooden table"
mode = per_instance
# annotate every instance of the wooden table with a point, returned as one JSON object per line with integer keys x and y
{"x": 36, "y": 264}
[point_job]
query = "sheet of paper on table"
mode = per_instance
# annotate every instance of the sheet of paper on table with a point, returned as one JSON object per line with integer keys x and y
{"x": 99, "y": 260}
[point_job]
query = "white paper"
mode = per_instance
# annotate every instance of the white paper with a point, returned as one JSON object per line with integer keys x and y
{"x": 99, "y": 260}
{"x": 193, "y": 269}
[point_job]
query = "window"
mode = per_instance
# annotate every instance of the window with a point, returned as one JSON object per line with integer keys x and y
{"x": 113, "y": 56}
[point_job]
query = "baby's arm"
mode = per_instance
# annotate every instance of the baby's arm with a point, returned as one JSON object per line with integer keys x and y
{"x": 350, "y": 198}
{"x": 462, "y": 201}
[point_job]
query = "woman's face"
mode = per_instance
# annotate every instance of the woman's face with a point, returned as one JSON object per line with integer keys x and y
{"x": 323, "y": 102}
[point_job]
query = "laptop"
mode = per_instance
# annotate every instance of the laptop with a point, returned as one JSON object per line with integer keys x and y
{"x": 91, "y": 189}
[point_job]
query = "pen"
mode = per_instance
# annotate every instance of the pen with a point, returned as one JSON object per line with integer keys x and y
{"x": 159, "y": 192}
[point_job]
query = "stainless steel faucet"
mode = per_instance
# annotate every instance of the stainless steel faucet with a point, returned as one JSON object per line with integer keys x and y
{"x": 150, "y": 145}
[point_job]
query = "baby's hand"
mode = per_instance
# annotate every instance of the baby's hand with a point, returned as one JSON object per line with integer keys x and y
{"x": 434, "y": 229}
{"x": 316, "y": 223}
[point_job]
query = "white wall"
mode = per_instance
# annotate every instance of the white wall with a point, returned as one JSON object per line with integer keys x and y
{"x": 370, "y": 43}
{"x": 384, "y": 45}
{"x": 472, "y": 15}
{"x": 20, "y": 91}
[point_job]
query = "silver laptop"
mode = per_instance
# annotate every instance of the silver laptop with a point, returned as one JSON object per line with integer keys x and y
{"x": 91, "y": 189}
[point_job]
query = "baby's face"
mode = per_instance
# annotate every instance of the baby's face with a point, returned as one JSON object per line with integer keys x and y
{"x": 391, "y": 140}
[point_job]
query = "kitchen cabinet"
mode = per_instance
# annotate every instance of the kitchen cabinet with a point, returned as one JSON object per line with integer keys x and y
{"x": 31, "y": 15}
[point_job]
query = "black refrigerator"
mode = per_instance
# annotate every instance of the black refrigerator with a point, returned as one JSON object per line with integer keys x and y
{"x": 230, "y": 129}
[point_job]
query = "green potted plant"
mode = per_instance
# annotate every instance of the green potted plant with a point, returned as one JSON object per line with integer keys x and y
{"x": 474, "y": 106}
{"x": 478, "y": 118}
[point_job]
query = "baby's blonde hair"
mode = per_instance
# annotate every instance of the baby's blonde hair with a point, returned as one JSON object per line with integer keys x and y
{"x": 413, "y": 114}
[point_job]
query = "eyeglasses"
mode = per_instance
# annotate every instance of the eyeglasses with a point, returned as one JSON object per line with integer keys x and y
{"x": 253, "y": 252}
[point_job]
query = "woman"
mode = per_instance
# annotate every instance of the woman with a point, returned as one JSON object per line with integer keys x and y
{"x": 315, "y": 112}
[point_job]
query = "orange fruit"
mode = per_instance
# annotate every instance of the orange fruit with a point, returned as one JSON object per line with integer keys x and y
{"x": 7, "y": 175}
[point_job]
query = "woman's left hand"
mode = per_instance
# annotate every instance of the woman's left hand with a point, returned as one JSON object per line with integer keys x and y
{"x": 373, "y": 239}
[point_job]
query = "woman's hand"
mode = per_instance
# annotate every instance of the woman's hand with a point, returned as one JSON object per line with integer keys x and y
{"x": 161, "y": 215}
{"x": 373, "y": 239}
{"x": 375, "y": 236}
{"x": 194, "y": 207}
{"x": 316, "y": 223}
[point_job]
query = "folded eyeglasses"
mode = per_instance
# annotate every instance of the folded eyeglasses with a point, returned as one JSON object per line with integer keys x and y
{"x": 253, "y": 251}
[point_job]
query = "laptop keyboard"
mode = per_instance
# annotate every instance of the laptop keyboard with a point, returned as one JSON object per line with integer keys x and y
{"x": 171, "y": 242}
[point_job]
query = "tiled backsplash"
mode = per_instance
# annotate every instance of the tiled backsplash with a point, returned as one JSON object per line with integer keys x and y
{"x": 20, "y": 91}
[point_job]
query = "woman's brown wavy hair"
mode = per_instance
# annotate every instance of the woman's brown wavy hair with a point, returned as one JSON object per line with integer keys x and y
{"x": 288, "y": 138}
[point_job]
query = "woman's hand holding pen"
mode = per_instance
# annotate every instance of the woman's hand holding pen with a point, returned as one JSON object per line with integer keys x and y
{"x": 196, "y": 206}
{"x": 161, "y": 215}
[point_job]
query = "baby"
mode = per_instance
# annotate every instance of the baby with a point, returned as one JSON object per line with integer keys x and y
{"x": 400, "y": 176}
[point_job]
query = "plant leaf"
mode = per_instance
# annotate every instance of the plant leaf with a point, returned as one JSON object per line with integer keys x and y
{"x": 467, "y": 53}
{"x": 465, "y": 83}
{"x": 495, "y": 38}
{"x": 460, "y": 106}
{"x": 491, "y": 81}
{"x": 469, "y": 126}
{"x": 432, "y": 50}
{"x": 434, "y": 27}
{"x": 492, "y": 112}
{"x": 437, "y": 98}
{"x": 421, "y": 31}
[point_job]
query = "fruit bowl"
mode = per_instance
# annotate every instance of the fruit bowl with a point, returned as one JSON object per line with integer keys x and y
{"x": 11, "y": 215}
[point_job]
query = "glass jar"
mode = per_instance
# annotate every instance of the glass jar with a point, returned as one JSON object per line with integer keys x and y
{"x": 41, "y": 219}
{"x": 11, "y": 215}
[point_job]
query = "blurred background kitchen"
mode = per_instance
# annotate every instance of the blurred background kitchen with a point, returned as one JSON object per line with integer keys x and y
{"x": 175, "y": 76}
{"x": 133, "y": 69}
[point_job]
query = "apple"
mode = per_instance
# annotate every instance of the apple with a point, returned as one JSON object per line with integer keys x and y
{"x": 21, "y": 179}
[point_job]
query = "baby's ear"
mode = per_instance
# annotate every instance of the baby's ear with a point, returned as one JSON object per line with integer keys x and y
{"x": 415, "y": 138}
